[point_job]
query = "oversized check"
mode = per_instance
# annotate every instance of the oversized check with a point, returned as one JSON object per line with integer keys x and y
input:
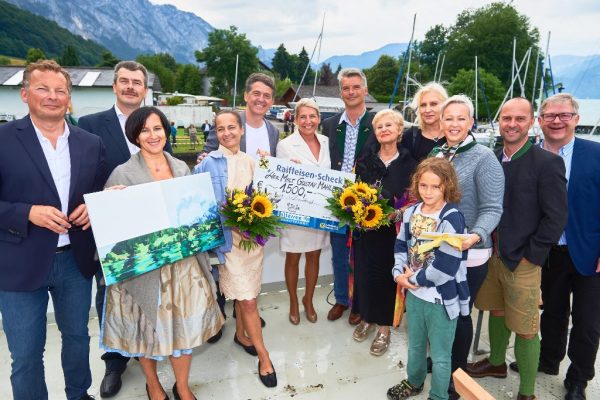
{"x": 302, "y": 191}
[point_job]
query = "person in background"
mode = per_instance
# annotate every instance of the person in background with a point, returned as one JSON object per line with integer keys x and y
{"x": 168, "y": 311}
{"x": 305, "y": 146}
{"x": 438, "y": 292}
{"x": 240, "y": 271}
{"x": 193, "y": 136}
{"x": 388, "y": 165}
{"x": 46, "y": 244}
{"x": 173, "y": 132}
{"x": 421, "y": 139}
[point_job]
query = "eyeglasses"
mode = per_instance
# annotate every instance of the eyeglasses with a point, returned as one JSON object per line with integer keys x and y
{"x": 562, "y": 116}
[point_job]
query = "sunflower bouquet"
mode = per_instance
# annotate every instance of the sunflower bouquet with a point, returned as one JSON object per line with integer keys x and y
{"x": 360, "y": 206}
{"x": 251, "y": 212}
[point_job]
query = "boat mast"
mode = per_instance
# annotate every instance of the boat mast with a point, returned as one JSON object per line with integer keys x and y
{"x": 543, "y": 77}
{"x": 476, "y": 72}
{"x": 399, "y": 76}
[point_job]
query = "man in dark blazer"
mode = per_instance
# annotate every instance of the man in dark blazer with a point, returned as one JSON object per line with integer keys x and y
{"x": 573, "y": 266}
{"x": 130, "y": 86}
{"x": 349, "y": 132}
{"x": 46, "y": 245}
{"x": 534, "y": 215}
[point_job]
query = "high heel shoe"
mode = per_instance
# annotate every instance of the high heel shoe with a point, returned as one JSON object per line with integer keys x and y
{"x": 310, "y": 317}
{"x": 150, "y": 398}
{"x": 270, "y": 379}
{"x": 249, "y": 349}
{"x": 176, "y": 393}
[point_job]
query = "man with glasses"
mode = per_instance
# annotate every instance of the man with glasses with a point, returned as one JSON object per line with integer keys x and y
{"x": 573, "y": 265}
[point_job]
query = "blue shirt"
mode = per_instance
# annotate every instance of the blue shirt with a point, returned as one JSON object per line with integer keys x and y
{"x": 566, "y": 153}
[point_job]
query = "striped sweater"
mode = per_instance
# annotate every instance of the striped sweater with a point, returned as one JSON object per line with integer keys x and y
{"x": 447, "y": 272}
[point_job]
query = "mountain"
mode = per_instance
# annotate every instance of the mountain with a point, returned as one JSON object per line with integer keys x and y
{"x": 20, "y": 30}
{"x": 266, "y": 55}
{"x": 368, "y": 58}
{"x": 580, "y": 75}
{"x": 128, "y": 28}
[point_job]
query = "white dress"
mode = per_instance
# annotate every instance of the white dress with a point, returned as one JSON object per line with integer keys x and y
{"x": 297, "y": 239}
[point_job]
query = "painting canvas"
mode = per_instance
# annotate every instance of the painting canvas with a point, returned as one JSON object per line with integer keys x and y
{"x": 143, "y": 227}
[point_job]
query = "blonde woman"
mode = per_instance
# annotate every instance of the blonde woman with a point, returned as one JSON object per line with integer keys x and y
{"x": 304, "y": 146}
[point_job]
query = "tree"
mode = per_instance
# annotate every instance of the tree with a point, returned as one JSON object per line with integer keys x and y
{"x": 488, "y": 33}
{"x": 188, "y": 79}
{"x": 108, "y": 60}
{"x": 299, "y": 63}
{"x": 281, "y": 86}
{"x": 69, "y": 57}
{"x": 464, "y": 82}
{"x": 430, "y": 48}
{"x": 382, "y": 76}
{"x": 220, "y": 55}
{"x": 326, "y": 76}
{"x": 174, "y": 100}
{"x": 282, "y": 62}
{"x": 4, "y": 60}
{"x": 161, "y": 65}
{"x": 34, "y": 54}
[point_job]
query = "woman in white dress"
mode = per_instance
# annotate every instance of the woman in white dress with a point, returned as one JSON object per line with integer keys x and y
{"x": 304, "y": 146}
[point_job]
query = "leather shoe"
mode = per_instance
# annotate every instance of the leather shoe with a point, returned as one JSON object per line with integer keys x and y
{"x": 148, "y": 393}
{"x": 353, "y": 318}
{"x": 111, "y": 384}
{"x": 484, "y": 368}
{"x": 524, "y": 397}
{"x": 86, "y": 397}
{"x": 575, "y": 391}
{"x": 249, "y": 349}
{"x": 541, "y": 368}
{"x": 176, "y": 393}
{"x": 336, "y": 311}
{"x": 269, "y": 380}
{"x": 216, "y": 337}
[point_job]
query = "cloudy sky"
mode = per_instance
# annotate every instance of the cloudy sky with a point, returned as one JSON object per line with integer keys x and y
{"x": 352, "y": 27}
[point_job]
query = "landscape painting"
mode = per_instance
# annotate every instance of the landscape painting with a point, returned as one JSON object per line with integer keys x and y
{"x": 143, "y": 227}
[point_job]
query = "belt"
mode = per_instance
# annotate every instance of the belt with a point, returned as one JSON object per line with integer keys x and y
{"x": 62, "y": 249}
{"x": 562, "y": 248}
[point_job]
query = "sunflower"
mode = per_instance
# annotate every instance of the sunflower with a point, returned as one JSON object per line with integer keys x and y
{"x": 362, "y": 189}
{"x": 348, "y": 198}
{"x": 373, "y": 214}
{"x": 261, "y": 206}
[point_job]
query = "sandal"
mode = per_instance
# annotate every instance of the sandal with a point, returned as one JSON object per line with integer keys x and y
{"x": 403, "y": 390}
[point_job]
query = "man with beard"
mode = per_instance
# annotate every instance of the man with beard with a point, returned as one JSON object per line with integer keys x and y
{"x": 130, "y": 86}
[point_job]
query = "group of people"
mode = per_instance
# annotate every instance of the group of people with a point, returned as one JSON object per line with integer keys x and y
{"x": 527, "y": 216}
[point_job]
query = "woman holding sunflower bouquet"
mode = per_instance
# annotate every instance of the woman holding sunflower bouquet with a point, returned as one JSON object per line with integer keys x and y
{"x": 388, "y": 166}
{"x": 241, "y": 264}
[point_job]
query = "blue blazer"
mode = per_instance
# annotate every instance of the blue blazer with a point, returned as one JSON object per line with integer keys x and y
{"x": 26, "y": 250}
{"x": 583, "y": 225}
{"x": 106, "y": 125}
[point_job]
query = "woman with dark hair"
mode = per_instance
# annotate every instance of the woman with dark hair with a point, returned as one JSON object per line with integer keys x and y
{"x": 168, "y": 311}
{"x": 388, "y": 165}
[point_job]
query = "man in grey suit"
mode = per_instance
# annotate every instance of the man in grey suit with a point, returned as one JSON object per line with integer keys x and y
{"x": 260, "y": 135}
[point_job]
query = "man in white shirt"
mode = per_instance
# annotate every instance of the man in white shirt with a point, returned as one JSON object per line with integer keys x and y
{"x": 46, "y": 246}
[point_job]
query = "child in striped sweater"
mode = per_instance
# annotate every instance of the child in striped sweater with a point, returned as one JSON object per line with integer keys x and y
{"x": 435, "y": 279}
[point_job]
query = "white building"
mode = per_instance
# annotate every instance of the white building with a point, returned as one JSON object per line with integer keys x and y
{"x": 92, "y": 90}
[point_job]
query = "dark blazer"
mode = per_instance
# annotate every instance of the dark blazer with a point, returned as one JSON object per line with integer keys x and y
{"x": 26, "y": 250}
{"x": 535, "y": 205}
{"x": 336, "y": 133}
{"x": 583, "y": 226}
{"x": 106, "y": 125}
{"x": 212, "y": 143}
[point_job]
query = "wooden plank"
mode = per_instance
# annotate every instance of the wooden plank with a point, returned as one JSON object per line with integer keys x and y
{"x": 468, "y": 388}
